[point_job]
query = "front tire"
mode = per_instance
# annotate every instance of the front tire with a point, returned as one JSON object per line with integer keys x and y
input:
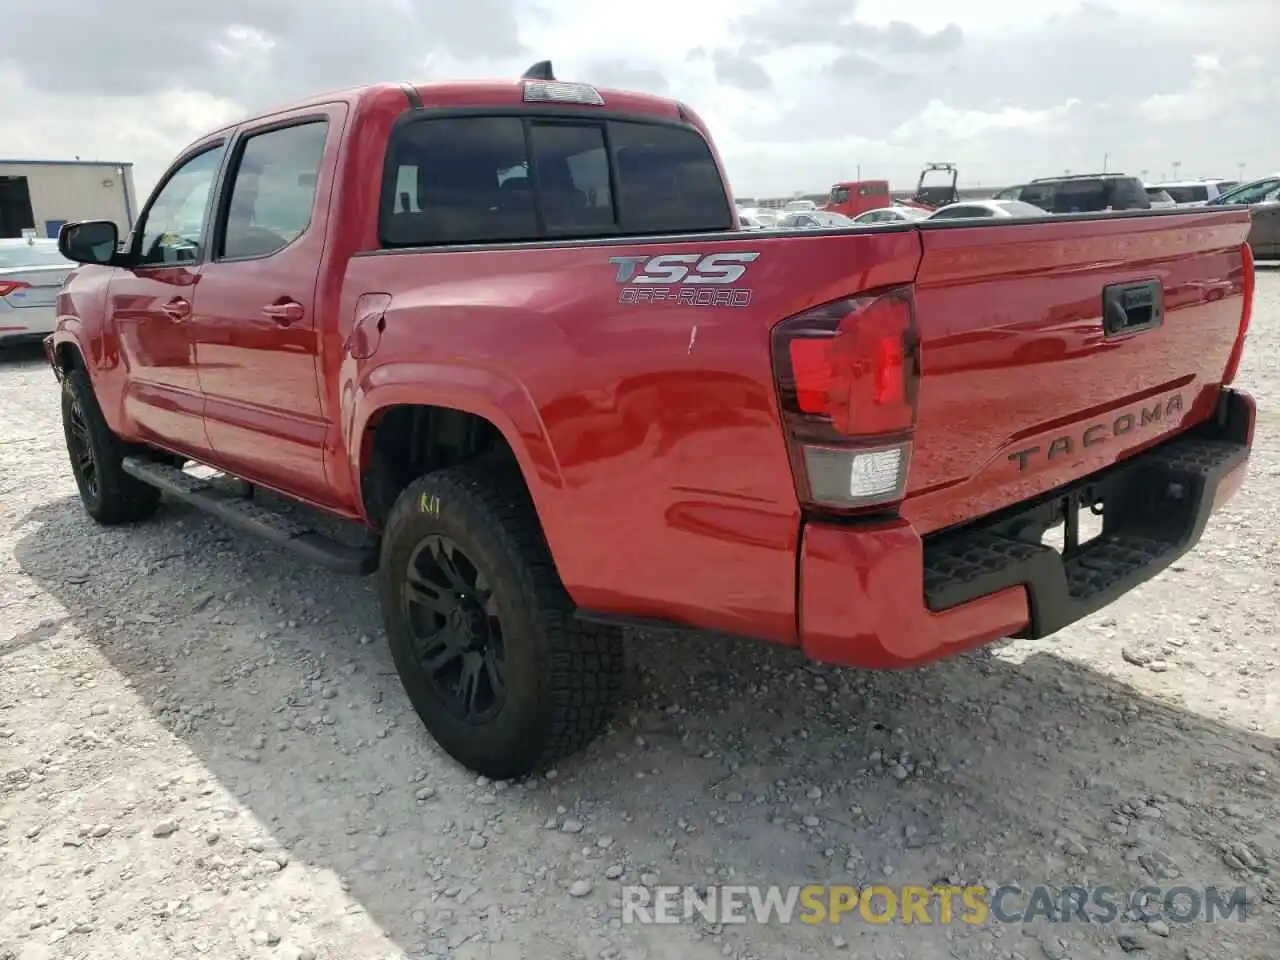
{"x": 110, "y": 496}
{"x": 483, "y": 634}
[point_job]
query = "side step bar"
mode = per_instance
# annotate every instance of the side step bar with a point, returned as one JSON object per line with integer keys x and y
{"x": 253, "y": 518}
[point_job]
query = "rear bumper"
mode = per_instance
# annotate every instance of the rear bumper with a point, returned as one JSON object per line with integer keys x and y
{"x": 881, "y": 596}
{"x": 26, "y": 323}
{"x": 9, "y": 337}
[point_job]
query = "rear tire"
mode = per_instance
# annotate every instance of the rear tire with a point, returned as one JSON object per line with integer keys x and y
{"x": 483, "y": 634}
{"x": 109, "y": 495}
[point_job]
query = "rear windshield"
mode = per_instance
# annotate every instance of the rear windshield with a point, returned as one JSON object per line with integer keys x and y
{"x": 1189, "y": 194}
{"x": 1078, "y": 196}
{"x": 31, "y": 255}
{"x": 471, "y": 180}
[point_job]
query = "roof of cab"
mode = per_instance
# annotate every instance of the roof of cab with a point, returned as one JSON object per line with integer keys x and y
{"x": 474, "y": 94}
{"x": 504, "y": 93}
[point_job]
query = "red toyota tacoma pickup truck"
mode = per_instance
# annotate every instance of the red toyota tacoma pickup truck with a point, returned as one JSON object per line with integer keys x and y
{"x": 511, "y": 330}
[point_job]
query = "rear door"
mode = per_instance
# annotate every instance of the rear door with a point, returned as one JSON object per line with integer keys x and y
{"x": 255, "y": 330}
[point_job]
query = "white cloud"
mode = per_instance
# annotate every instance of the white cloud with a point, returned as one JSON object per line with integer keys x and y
{"x": 798, "y": 93}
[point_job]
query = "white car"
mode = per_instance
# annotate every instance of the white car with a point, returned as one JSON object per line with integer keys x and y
{"x": 813, "y": 220}
{"x": 765, "y": 218}
{"x": 986, "y": 209}
{"x": 893, "y": 214}
{"x": 32, "y": 272}
{"x": 1192, "y": 193}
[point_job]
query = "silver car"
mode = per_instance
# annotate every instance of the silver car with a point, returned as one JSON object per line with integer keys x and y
{"x": 813, "y": 220}
{"x": 890, "y": 214}
{"x": 987, "y": 209}
{"x": 31, "y": 274}
{"x": 1263, "y": 196}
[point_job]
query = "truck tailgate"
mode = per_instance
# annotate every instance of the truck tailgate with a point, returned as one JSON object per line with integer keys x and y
{"x": 1025, "y": 388}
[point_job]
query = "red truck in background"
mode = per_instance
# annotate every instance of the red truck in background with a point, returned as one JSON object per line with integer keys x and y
{"x": 855, "y": 197}
{"x": 510, "y": 330}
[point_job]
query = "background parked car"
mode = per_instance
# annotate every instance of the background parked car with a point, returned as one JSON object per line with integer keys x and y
{"x": 1081, "y": 193}
{"x": 1160, "y": 199}
{"x": 798, "y": 205}
{"x": 766, "y": 218}
{"x": 1263, "y": 195}
{"x": 986, "y": 209}
{"x": 1190, "y": 193}
{"x": 814, "y": 220}
{"x": 894, "y": 214}
{"x": 31, "y": 273}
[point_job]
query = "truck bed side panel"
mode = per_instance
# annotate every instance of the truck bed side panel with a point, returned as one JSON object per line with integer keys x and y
{"x": 672, "y": 495}
{"x": 1022, "y": 390}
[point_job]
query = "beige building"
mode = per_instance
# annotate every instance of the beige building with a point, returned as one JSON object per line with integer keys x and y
{"x": 44, "y": 194}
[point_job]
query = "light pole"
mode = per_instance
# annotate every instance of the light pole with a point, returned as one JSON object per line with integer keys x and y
{"x": 1176, "y": 165}
{"x": 1144, "y": 176}
{"x": 1240, "y": 171}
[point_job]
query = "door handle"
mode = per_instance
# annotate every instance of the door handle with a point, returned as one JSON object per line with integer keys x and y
{"x": 177, "y": 309}
{"x": 290, "y": 311}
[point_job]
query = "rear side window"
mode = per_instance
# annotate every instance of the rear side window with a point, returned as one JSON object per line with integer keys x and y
{"x": 273, "y": 190}
{"x": 962, "y": 213}
{"x": 492, "y": 179}
{"x": 1129, "y": 193}
{"x": 1078, "y": 196}
{"x": 840, "y": 195}
{"x": 1188, "y": 194}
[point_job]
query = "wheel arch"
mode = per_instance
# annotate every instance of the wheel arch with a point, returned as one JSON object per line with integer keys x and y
{"x": 432, "y": 417}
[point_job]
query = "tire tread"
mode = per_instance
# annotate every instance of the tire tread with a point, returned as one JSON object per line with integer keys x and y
{"x": 585, "y": 660}
{"x": 121, "y": 498}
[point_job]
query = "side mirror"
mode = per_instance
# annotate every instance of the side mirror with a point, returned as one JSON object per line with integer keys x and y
{"x": 89, "y": 241}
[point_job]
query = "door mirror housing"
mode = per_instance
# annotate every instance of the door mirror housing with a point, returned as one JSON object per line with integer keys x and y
{"x": 90, "y": 241}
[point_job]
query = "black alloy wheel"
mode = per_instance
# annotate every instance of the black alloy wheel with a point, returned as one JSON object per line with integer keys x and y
{"x": 455, "y": 629}
{"x": 484, "y": 636}
{"x": 83, "y": 461}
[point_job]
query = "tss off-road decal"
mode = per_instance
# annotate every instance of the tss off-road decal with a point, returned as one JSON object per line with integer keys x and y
{"x": 690, "y": 279}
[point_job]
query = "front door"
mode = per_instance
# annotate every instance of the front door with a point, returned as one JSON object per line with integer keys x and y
{"x": 256, "y": 335}
{"x": 151, "y": 305}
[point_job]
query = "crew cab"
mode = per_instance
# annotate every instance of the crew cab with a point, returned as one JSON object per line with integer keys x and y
{"x": 511, "y": 332}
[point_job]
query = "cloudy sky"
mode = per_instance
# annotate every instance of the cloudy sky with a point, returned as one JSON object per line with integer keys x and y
{"x": 798, "y": 93}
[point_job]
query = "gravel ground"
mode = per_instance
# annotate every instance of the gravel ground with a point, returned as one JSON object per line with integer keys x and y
{"x": 204, "y": 752}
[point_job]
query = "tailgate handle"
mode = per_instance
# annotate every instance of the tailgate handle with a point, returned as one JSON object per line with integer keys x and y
{"x": 1129, "y": 308}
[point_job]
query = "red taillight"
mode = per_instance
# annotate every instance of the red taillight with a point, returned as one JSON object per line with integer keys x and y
{"x": 847, "y": 377}
{"x": 9, "y": 286}
{"x": 812, "y": 373}
{"x": 1237, "y": 352}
